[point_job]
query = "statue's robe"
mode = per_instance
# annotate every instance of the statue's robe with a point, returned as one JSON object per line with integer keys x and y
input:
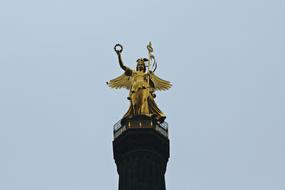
{"x": 142, "y": 87}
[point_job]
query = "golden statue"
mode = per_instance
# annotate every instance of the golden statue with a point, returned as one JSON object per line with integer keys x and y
{"x": 142, "y": 84}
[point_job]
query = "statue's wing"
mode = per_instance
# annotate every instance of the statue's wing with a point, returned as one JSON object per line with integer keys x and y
{"x": 158, "y": 83}
{"x": 122, "y": 81}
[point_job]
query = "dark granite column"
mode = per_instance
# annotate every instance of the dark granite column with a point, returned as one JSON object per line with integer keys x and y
{"x": 141, "y": 156}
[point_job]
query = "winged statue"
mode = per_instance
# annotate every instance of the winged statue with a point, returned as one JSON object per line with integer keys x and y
{"x": 142, "y": 84}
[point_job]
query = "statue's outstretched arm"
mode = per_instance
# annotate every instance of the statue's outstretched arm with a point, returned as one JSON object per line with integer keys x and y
{"x": 119, "y": 51}
{"x": 121, "y": 62}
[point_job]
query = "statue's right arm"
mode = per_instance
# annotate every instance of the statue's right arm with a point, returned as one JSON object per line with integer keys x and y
{"x": 121, "y": 62}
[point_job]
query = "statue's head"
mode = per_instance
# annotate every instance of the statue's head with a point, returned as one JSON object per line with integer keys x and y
{"x": 141, "y": 64}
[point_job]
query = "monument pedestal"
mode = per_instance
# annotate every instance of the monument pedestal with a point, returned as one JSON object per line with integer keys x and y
{"x": 141, "y": 152}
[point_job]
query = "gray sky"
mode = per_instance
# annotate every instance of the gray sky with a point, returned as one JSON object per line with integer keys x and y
{"x": 225, "y": 111}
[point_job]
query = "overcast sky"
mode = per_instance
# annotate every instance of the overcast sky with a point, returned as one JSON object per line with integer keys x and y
{"x": 225, "y": 111}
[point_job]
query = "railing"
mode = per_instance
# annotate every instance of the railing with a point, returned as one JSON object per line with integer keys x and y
{"x": 140, "y": 122}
